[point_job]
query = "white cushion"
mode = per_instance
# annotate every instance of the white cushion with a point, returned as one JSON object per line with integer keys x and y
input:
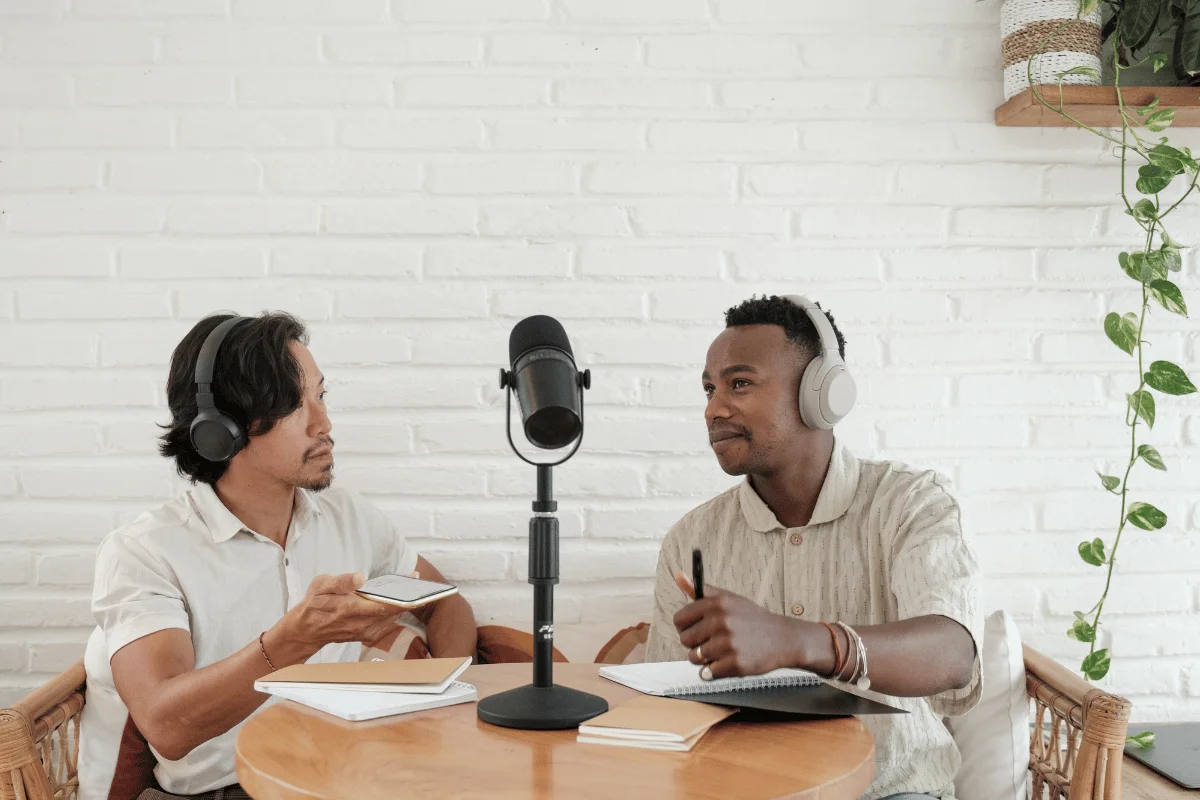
{"x": 101, "y": 725}
{"x": 993, "y": 737}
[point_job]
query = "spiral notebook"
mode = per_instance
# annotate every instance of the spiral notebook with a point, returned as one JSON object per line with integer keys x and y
{"x": 782, "y": 693}
{"x": 682, "y": 678}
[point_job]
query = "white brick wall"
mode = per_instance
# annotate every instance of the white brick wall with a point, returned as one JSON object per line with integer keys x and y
{"x": 413, "y": 176}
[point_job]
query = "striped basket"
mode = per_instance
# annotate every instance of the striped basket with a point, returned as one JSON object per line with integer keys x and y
{"x": 1024, "y": 26}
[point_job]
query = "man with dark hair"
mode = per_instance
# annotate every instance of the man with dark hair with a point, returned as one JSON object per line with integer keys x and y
{"x": 854, "y": 569}
{"x": 252, "y": 570}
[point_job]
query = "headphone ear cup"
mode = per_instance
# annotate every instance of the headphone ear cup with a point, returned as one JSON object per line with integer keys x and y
{"x": 810, "y": 395}
{"x": 215, "y": 436}
{"x": 837, "y": 395}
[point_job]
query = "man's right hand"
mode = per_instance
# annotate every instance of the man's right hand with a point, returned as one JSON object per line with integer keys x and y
{"x": 331, "y": 611}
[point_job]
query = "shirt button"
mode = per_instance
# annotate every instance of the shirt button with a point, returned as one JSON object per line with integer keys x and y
{"x": 797, "y": 538}
{"x": 286, "y": 562}
{"x": 797, "y": 609}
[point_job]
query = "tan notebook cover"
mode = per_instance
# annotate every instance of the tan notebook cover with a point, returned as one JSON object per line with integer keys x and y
{"x": 656, "y": 719}
{"x": 409, "y": 672}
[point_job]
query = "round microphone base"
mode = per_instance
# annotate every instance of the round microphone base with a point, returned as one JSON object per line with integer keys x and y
{"x": 536, "y": 708}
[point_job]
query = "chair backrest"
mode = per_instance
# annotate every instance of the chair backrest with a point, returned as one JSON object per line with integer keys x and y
{"x": 39, "y": 740}
{"x": 1079, "y": 734}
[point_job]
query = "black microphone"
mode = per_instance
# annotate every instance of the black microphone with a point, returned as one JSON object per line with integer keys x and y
{"x": 550, "y": 393}
{"x": 546, "y": 382}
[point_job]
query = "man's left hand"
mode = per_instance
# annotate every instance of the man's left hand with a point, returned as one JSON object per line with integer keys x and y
{"x": 735, "y": 636}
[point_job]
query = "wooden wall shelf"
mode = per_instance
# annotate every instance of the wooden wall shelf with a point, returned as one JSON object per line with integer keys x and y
{"x": 1097, "y": 106}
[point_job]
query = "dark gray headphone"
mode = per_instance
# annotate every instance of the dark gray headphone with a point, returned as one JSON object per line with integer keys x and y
{"x": 215, "y": 435}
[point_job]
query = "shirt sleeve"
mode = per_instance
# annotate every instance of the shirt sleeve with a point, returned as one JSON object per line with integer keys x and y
{"x": 392, "y": 554}
{"x": 662, "y": 643}
{"x": 134, "y": 594}
{"x": 935, "y": 571}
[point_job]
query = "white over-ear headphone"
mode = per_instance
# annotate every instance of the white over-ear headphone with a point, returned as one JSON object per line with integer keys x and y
{"x": 827, "y": 389}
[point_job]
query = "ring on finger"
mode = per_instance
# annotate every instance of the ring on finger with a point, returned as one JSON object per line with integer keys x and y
{"x": 699, "y": 655}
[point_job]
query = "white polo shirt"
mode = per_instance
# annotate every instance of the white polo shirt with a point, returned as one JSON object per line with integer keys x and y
{"x": 192, "y": 564}
{"x": 885, "y": 544}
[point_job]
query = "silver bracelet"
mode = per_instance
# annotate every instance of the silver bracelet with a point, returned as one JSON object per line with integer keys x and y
{"x": 859, "y": 678}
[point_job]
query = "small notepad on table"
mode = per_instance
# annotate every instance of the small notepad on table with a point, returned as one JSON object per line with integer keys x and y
{"x": 360, "y": 705}
{"x": 675, "y": 678}
{"x": 655, "y": 723}
{"x": 408, "y": 676}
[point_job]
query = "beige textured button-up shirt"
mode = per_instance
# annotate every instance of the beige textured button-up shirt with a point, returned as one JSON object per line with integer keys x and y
{"x": 884, "y": 544}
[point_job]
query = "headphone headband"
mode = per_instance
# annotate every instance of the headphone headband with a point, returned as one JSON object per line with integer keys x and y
{"x": 207, "y": 360}
{"x": 829, "y": 343}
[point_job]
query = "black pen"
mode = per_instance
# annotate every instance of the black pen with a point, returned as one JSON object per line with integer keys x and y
{"x": 698, "y": 573}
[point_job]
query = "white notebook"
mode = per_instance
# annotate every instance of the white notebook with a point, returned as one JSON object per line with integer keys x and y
{"x": 681, "y": 678}
{"x": 354, "y": 704}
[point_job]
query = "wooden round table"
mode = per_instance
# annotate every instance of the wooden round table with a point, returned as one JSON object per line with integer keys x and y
{"x": 291, "y": 751}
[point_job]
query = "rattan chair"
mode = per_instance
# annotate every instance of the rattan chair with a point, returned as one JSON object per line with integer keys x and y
{"x": 39, "y": 741}
{"x": 1077, "y": 757}
{"x": 1079, "y": 734}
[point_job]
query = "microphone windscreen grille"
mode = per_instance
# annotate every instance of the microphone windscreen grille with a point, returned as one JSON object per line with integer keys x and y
{"x": 537, "y": 331}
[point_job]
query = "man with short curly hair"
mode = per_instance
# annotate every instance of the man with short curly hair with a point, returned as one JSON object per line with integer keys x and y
{"x": 251, "y": 570}
{"x": 820, "y": 560}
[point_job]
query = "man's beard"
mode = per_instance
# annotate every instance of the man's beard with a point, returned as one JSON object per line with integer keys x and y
{"x": 321, "y": 483}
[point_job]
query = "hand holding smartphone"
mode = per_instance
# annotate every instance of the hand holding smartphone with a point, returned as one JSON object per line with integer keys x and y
{"x": 405, "y": 591}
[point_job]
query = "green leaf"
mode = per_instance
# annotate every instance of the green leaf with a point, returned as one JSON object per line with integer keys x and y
{"x": 1144, "y": 210}
{"x": 1091, "y": 72}
{"x": 1095, "y": 666}
{"x": 1169, "y": 379}
{"x": 1154, "y": 266}
{"x": 1167, "y": 157}
{"x": 1082, "y": 631}
{"x": 1079, "y": 615}
{"x": 1088, "y": 554}
{"x": 1160, "y": 120}
{"x": 1169, "y": 243}
{"x": 1169, "y": 296}
{"x": 1136, "y": 266}
{"x": 1187, "y": 42}
{"x": 1142, "y": 403}
{"x": 1135, "y": 23}
{"x": 1087, "y": 6}
{"x": 1151, "y": 457}
{"x": 1142, "y": 740}
{"x": 1152, "y": 179}
{"x": 1110, "y": 482}
{"x": 1158, "y": 60}
{"x": 1120, "y": 332}
{"x": 1146, "y": 517}
{"x": 1171, "y": 259}
{"x": 1144, "y": 110}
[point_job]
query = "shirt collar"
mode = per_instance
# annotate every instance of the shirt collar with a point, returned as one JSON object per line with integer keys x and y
{"x": 223, "y": 525}
{"x": 841, "y": 482}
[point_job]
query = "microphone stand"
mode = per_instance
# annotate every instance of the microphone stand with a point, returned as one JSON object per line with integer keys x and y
{"x": 542, "y": 705}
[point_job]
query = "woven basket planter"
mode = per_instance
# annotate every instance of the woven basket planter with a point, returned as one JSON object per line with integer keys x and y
{"x": 1024, "y": 26}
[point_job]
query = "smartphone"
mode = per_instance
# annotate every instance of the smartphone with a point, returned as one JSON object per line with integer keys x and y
{"x": 405, "y": 592}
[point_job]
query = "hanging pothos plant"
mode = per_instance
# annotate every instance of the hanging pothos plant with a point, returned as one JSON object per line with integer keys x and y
{"x": 1166, "y": 177}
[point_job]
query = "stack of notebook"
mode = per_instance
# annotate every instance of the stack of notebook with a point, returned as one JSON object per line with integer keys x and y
{"x": 656, "y": 723}
{"x": 370, "y": 689}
